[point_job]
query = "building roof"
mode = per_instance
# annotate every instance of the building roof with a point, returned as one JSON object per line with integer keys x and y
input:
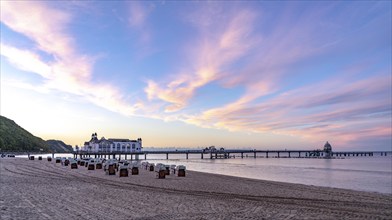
{"x": 327, "y": 147}
{"x": 119, "y": 140}
{"x": 110, "y": 140}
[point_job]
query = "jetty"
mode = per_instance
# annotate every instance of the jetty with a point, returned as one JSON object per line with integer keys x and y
{"x": 232, "y": 153}
{"x": 213, "y": 153}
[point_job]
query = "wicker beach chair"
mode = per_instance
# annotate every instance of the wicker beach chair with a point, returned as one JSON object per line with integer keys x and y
{"x": 135, "y": 170}
{"x": 181, "y": 171}
{"x": 161, "y": 171}
{"x": 91, "y": 166}
{"x": 74, "y": 165}
{"x": 123, "y": 171}
{"x": 167, "y": 169}
{"x": 110, "y": 170}
{"x": 151, "y": 166}
{"x": 98, "y": 166}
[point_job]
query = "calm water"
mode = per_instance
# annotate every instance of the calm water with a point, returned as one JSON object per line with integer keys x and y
{"x": 372, "y": 174}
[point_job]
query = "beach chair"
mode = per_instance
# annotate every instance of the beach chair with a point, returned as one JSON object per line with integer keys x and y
{"x": 173, "y": 168}
{"x": 107, "y": 163}
{"x": 98, "y": 166}
{"x": 151, "y": 166}
{"x": 135, "y": 169}
{"x": 74, "y": 165}
{"x": 39, "y": 158}
{"x": 181, "y": 171}
{"x": 91, "y": 166}
{"x": 123, "y": 171}
{"x": 58, "y": 160}
{"x": 157, "y": 167}
{"x": 110, "y": 170}
{"x": 167, "y": 169}
{"x": 162, "y": 174}
{"x": 161, "y": 171}
{"x": 49, "y": 159}
{"x": 64, "y": 162}
{"x": 82, "y": 163}
{"x": 31, "y": 158}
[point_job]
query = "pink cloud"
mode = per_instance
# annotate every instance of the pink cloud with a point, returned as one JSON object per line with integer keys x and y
{"x": 219, "y": 45}
{"x": 315, "y": 112}
{"x": 345, "y": 113}
{"x": 69, "y": 71}
{"x": 47, "y": 33}
{"x": 138, "y": 14}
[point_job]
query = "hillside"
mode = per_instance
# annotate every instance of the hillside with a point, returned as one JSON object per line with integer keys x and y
{"x": 59, "y": 146}
{"x": 14, "y": 138}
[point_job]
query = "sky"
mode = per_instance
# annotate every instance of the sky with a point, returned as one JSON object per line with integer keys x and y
{"x": 238, "y": 74}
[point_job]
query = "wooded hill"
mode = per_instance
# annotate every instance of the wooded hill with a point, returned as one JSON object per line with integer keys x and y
{"x": 14, "y": 138}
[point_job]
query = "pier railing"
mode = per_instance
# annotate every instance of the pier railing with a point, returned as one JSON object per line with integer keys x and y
{"x": 233, "y": 153}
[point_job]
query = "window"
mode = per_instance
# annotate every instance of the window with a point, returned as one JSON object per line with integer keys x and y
{"x": 133, "y": 146}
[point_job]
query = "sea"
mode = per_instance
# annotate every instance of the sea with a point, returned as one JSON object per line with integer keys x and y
{"x": 370, "y": 174}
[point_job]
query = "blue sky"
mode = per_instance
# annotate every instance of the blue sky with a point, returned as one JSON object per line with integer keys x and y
{"x": 266, "y": 75}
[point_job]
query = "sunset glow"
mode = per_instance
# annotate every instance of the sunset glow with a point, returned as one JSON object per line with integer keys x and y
{"x": 264, "y": 75}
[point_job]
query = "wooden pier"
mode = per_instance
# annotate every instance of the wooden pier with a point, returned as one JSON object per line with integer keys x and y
{"x": 225, "y": 154}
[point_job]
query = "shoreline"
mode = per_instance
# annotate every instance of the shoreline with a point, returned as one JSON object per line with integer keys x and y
{"x": 299, "y": 184}
{"x": 45, "y": 190}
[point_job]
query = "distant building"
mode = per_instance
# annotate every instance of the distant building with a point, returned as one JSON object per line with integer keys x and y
{"x": 112, "y": 145}
{"x": 327, "y": 150}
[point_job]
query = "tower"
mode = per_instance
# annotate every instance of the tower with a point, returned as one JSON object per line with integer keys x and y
{"x": 139, "y": 140}
{"x": 94, "y": 136}
{"x": 327, "y": 150}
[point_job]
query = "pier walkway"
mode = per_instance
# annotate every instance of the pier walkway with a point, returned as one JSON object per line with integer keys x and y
{"x": 224, "y": 154}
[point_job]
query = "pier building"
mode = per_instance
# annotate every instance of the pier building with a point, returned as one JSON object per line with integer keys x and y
{"x": 95, "y": 145}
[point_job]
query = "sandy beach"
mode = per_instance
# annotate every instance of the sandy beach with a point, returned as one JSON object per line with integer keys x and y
{"x": 46, "y": 190}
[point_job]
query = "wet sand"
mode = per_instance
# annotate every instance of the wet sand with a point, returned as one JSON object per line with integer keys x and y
{"x": 46, "y": 190}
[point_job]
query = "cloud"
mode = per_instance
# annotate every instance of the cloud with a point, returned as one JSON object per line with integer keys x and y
{"x": 138, "y": 14}
{"x": 232, "y": 49}
{"x": 219, "y": 45}
{"x": 342, "y": 107}
{"x": 317, "y": 112}
{"x": 68, "y": 71}
{"x": 26, "y": 60}
{"x": 47, "y": 33}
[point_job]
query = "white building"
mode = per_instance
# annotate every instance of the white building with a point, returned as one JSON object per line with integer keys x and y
{"x": 112, "y": 145}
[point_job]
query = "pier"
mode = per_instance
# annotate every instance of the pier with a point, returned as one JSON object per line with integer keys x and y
{"x": 225, "y": 154}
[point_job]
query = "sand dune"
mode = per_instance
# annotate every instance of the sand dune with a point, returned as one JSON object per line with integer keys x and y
{"x": 46, "y": 190}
